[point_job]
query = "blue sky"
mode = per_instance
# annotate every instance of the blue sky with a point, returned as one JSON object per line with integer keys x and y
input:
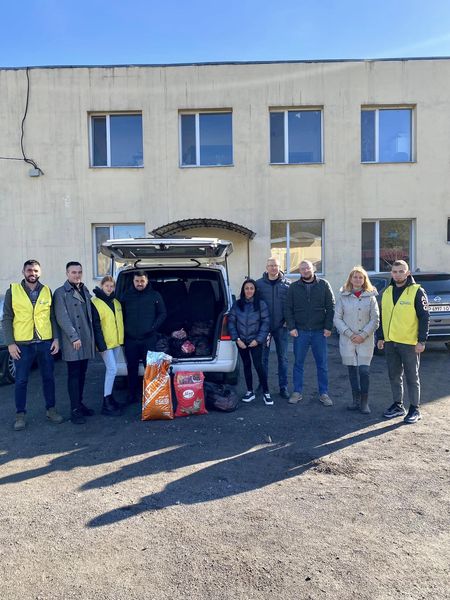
{"x": 62, "y": 32}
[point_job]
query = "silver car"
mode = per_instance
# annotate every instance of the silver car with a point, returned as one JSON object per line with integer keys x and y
{"x": 191, "y": 275}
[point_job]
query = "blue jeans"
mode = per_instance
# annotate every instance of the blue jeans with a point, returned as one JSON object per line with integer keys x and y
{"x": 280, "y": 337}
{"x": 318, "y": 343}
{"x": 28, "y": 352}
{"x": 359, "y": 378}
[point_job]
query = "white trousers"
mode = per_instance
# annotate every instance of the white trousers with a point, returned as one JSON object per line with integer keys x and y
{"x": 110, "y": 358}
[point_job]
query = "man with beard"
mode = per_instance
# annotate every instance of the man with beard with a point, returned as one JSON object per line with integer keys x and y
{"x": 309, "y": 317}
{"x": 143, "y": 314}
{"x": 403, "y": 333}
{"x": 30, "y": 331}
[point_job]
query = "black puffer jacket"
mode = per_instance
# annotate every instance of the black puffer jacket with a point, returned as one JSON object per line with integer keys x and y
{"x": 249, "y": 324}
{"x": 274, "y": 295}
{"x": 143, "y": 312}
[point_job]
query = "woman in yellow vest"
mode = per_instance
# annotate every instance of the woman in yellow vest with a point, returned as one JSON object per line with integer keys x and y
{"x": 109, "y": 337}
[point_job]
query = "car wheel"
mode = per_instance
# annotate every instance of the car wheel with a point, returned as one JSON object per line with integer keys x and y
{"x": 8, "y": 369}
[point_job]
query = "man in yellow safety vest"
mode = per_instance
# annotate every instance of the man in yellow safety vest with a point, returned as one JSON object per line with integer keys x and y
{"x": 30, "y": 331}
{"x": 402, "y": 334}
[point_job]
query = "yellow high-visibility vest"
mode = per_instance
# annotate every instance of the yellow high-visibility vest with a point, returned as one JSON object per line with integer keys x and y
{"x": 111, "y": 322}
{"x": 400, "y": 322}
{"x": 27, "y": 317}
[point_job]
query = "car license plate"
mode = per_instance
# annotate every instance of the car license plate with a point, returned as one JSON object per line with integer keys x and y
{"x": 443, "y": 308}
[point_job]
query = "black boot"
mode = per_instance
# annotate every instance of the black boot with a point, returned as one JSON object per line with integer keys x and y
{"x": 109, "y": 408}
{"x": 117, "y": 403}
{"x": 87, "y": 412}
{"x": 365, "y": 409}
{"x": 356, "y": 401}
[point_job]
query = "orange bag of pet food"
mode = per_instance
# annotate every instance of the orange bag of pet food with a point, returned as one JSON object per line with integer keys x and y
{"x": 157, "y": 396}
{"x": 189, "y": 393}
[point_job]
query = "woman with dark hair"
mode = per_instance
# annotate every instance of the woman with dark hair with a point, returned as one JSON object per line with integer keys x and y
{"x": 249, "y": 325}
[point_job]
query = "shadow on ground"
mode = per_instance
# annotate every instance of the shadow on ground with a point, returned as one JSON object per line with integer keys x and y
{"x": 211, "y": 457}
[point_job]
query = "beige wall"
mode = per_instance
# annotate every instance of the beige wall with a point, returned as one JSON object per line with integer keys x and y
{"x": 51, "y": 217}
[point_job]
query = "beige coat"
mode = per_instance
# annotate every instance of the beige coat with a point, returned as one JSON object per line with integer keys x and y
{"x": 356, "y": 315}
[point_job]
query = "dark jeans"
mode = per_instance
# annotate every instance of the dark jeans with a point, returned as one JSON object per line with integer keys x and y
{"x": 402, "y": 360}
{"x": 280, "y": 337}
{"x": 28, "y": 352}
{"x": 76, "y": 375}
{"x": 254, "y": 354}
{"x": 359, "y": 378}
{"x": 318, "y": 343}
{"x": 135, "y": 351}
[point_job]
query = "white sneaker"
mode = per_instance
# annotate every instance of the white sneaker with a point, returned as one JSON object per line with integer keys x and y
{"x": 249, "y": 396}
{"x": 326, "y": 400}
{"x": 267, "y": 399}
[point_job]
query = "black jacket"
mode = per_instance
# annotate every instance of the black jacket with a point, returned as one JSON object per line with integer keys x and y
{"x": 249, "y": 324}
{"x": 310, "y": 309}
{"x": 274, "y": 295}
{"x": 420, "y": 304}
{"x": 143, "y": 312}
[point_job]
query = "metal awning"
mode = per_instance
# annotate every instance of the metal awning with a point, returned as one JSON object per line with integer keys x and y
{"x": 175, "y": 227}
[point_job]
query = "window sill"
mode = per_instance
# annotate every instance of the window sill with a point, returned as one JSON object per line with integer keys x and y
{"x": 116, "y": 167}
{"x": 308, "y": 164}
{"x": 403, "y": 162}
{"x": 205, "y": 166}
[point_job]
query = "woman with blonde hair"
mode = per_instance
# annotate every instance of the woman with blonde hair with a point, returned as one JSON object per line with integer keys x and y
{"x": 356, "y": 318}
{"x": 109, "y": 333}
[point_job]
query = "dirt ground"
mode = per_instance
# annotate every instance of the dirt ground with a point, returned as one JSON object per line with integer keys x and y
{"x": 286, "y": 502}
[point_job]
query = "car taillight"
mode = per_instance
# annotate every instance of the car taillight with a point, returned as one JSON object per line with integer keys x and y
{"x": 225, "y": 334}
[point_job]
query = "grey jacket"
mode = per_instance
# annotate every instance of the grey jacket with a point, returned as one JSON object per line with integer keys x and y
{"x": 356, "y": 315}
{"x": 74, "y": 322}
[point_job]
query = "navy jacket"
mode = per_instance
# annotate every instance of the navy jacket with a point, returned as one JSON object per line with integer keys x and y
{"x": 274, "y": 295}
{"x": 249, "y": 324}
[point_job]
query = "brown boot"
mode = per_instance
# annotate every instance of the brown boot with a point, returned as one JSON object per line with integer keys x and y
{"x": 356, "y": 401}
{"x": 365, "y": 409}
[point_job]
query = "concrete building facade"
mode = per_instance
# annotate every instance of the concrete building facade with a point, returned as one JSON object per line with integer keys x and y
{"x": 340, "y": 162}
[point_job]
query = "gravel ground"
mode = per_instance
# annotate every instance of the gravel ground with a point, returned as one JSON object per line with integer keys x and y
{"x": 291, "y": 502}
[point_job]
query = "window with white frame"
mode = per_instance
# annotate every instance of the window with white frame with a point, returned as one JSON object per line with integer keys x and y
{"x": 102, "y": 233}
{"x": 206, "y": 139}
{"x": 385, "y": 241}
{"x": 294, "y": 241}
{"x": 386, "y": 135}
{"x": 296, "y": 136}
{"x": 116, "y": 140}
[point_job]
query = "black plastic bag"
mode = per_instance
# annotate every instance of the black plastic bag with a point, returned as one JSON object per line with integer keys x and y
{"x": 220, "y": 397}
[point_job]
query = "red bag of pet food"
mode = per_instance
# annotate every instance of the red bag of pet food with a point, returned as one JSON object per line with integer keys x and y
{"x": 189, "y": 393}
{"x": 157, "y": 396}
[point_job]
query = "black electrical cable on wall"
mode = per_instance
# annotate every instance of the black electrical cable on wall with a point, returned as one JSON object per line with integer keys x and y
{"x": 30, "y": 161}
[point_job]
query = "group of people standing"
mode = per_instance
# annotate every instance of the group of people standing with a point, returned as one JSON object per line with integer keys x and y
{"x": 273, "y": 308}
{"x": 38, "y": 324}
